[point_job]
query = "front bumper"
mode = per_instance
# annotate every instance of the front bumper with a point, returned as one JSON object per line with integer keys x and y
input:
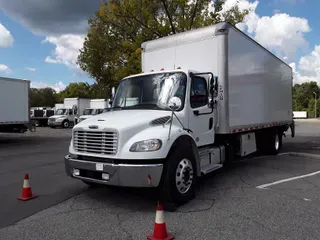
{"x": 54, "y": 123}
{"x": 124, "y": 175}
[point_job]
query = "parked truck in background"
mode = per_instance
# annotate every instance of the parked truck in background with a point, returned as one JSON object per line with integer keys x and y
{"x": 97, "y": 106}
{"x": 66, "y": 116}
{"x": 14, "y": 106}
{"x": 40, "y": 115}
{"x": 206, "y": 98}
{"x": 58, "y": 106}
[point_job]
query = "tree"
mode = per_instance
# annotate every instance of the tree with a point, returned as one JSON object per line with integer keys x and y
{"x": 45, "y": 97}
{"x": 303, "y": 97}
{"x": 112, "y": 46}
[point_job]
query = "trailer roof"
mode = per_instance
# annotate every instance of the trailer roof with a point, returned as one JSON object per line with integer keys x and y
{"x": 196, "y": 35}
{"x": 14, "y": 79}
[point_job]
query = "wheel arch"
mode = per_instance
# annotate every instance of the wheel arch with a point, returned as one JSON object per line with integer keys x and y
{"x": 184, "y": 140}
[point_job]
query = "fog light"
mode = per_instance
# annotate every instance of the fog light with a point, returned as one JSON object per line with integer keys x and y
{"x": 105, "y": 176}
{"x": 76, "y": 172}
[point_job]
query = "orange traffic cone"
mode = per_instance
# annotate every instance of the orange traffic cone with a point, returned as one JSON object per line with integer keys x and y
{"x": 160, "y": 229}
{"x": 26, "y": 189}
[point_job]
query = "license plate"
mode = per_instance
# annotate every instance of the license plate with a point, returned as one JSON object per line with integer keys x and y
{"x": 99, "y": 166}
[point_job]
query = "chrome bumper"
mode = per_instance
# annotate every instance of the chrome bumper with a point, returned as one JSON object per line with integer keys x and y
{"x": 124, "y": 175}
{"x": 54, "y": 123}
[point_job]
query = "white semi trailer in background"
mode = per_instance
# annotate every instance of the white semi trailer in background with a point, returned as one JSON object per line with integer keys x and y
{"x": 72, "y": 109}
{"x": 97, "y": 106}
{"x": 14, "y": 106}
{"x": 207, "y": 98}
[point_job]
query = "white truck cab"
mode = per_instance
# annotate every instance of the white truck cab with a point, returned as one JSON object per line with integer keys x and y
{"x": 198, "y": 106}
{"x": 62, "y": 117}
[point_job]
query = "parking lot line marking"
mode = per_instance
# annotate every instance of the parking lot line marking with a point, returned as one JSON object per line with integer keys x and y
{"x": 264, "y": 186}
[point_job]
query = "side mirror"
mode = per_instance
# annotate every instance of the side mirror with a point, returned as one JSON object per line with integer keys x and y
{"x": 175, "y": 103}
{"x": 213, "y": 88}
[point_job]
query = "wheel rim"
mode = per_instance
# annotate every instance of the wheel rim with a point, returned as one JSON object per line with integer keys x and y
{"x": 277, "y": 142}
{"x": 184, "y": 175}
{"x": 66, "y": 124}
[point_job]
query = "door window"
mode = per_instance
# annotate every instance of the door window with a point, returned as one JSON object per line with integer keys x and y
{"x": 199, "y": 92}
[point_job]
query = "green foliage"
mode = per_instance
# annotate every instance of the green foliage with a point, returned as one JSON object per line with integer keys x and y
{"x": 45, "y": 97}
{"x": 304, "y": 98}
{"x": 111, "y": 49}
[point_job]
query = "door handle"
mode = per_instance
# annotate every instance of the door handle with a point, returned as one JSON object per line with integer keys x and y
{"x": 210, "y": 123}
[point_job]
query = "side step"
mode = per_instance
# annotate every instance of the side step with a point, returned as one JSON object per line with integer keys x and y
{"x": 210, "y": 168}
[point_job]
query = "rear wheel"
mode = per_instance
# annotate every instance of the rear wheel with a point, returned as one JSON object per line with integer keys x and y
{"x": 179, "y": 176}
{"x": 270, "y": 142}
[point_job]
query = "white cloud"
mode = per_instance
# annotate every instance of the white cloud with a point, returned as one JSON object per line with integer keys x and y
{"x": 31, "y": 69}
{"x": 6, "y": 39}
{"x": 5, "y": 69}
{"x": 280, "y": 33}
{"x": 58, "y": 87}
{"x": 50, "y": 60}
{"x": 66, "y": 51}
{"x": 284, "y": 35}
{"x": 308, "y": 67}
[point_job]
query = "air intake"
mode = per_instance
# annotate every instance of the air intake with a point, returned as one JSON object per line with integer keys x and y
{"x": 160, "y": 121}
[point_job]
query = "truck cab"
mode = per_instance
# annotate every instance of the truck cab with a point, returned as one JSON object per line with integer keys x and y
{"x": 89, "y": 112}
{"x": 148, "y": 131}
{"x": 62, "y": 118}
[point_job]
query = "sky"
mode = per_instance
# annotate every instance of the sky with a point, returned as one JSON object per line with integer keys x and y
{"x": 40, "y": 39}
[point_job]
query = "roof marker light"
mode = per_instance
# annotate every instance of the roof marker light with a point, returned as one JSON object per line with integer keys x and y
{"x": 161, "y": 69}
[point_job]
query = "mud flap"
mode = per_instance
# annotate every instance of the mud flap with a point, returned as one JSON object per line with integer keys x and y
{"x": 292, "y": 128}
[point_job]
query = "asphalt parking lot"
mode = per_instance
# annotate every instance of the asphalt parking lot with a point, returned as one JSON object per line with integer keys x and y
{"x": 248, "y": 201}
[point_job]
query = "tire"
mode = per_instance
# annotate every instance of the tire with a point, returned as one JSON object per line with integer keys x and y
{"x": 179, "y": 176}
{"x": 274, "y": 143}
{"x": 65, "y": 124}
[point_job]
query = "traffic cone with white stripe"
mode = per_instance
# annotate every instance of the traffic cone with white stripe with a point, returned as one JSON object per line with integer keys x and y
{"x": 26, "y": 189}
{"x": 160, "y": 229}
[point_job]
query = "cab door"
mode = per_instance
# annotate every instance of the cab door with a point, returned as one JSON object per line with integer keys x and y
{"x": 201, "y": 114}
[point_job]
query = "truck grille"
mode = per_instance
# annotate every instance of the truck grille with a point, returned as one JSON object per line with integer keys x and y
{"x": 95, "y": 142}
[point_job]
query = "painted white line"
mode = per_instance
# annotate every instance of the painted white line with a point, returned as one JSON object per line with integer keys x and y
{"x": 301, "y": 154}
{"x": 264, "y": 186}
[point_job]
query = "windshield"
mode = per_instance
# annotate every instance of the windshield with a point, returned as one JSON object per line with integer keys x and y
{"x": 150, "y": 91}
{"x": 89, "y": 111}
{"x": 61, "y": 111}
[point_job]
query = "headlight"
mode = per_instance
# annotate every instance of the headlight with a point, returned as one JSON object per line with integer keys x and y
{"x": 59, "y": 119}
{"x": 146, "y": 145}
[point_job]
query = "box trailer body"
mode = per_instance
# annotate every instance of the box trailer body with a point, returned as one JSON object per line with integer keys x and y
{"x": 72, "y": 109}
{"x": 255, "y": 87}
{"x": 14, "y": 105}
{"x": 58, "y": 105}
{"x": 206, "y": 98}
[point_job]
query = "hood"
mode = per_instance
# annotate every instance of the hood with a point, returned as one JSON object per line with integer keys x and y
{"x": 85, "y": 116}
{"x": 57, "y": 116}
{"x": 122, "y": 119}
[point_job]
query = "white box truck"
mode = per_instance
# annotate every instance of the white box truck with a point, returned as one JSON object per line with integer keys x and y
{"x": 300, "y": 114}
{"x": 72, "y": 109}
{"x": 207, "y": 97}
{"x": 97, "y": 106}
{"x": 14, "y": 106}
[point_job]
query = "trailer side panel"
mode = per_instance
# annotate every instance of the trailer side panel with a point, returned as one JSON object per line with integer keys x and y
{"x": 14, "y": 101}
{"x": 260, "y": 85}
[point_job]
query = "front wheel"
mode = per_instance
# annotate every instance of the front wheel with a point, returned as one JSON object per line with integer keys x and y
{"x": 65, "y": 124}
{"x": 179, "y": 176}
